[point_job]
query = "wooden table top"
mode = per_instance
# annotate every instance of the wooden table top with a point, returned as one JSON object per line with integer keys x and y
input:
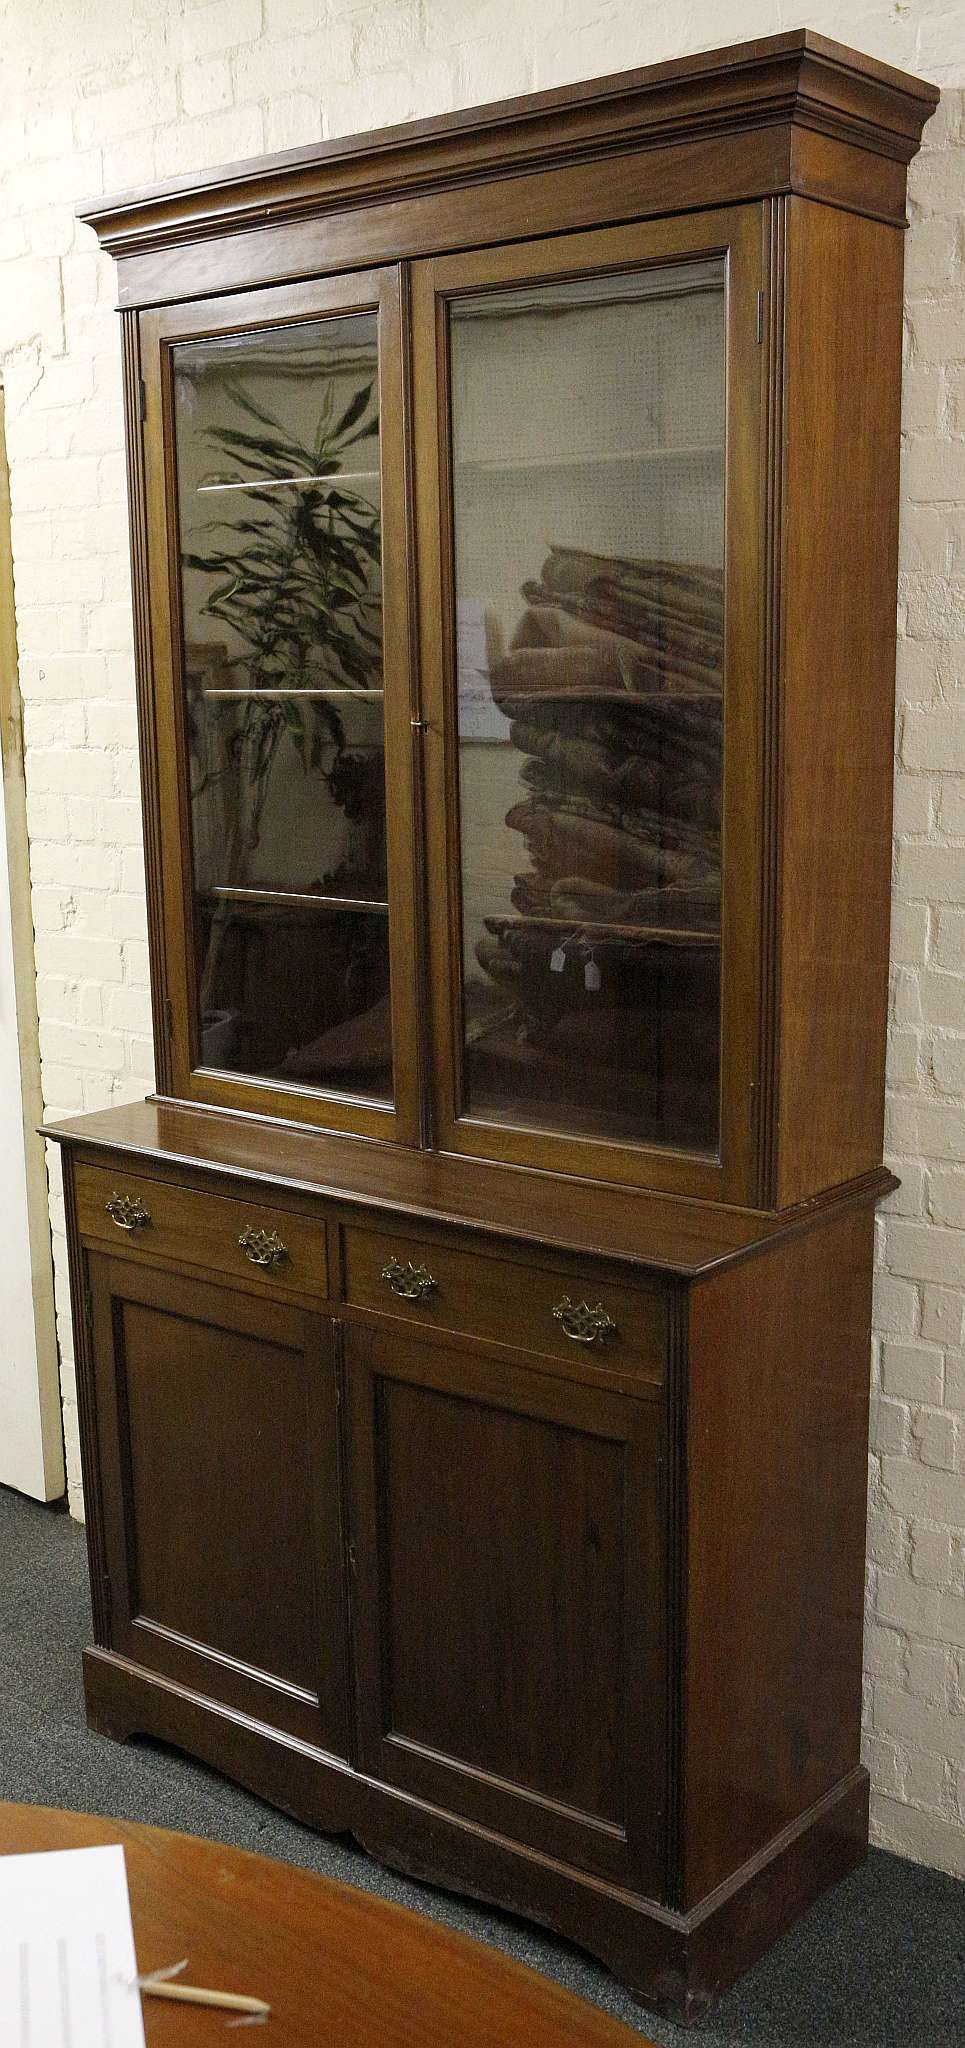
{"x": 336, "y": 1965}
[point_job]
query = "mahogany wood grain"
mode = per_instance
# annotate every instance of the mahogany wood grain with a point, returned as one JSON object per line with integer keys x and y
{"x": 676, "y": 1962}
{"x": 333, "y": 1963}
{"x": 607, "y": 192}
{"x": 147, "y": 728}
{"x": 841, "y": 408}
{"x": 777, "y": 1434}
{"x": 492, "y": 1297}
{"x": 222, "y": 1513}
{"x": 83, "y": 1335}
{"x": 798, "y": 76}
{"x": 512, "y": 1669}
{"x": 661, "y": 1233}
{"x": 189, "y": 1227}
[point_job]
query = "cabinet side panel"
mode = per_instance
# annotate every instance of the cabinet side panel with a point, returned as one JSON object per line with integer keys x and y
{"x": 842, "y": 412}
{"x": 777, "y": 1480}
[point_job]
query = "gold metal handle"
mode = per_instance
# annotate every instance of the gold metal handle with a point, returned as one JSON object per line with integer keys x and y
{"x": 263, "y": 1247}
{"x": 412, "y": 1283}
{"x": 584, "y": 1324}
{"x": 128, "y": 1212}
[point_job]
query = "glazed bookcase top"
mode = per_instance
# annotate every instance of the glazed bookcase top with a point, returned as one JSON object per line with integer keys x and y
{"x": 532, "y": 839}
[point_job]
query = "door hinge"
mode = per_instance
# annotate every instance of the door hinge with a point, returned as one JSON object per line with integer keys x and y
{"x": 169, "y": 1018}
{"x": 107, "y": 1603}
{"x": 760, "y": 316}
{"x": 141, "y": 399}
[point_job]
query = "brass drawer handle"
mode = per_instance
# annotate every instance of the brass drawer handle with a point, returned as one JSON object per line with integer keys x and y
{"x": 412, "y": 1283}
{"x": 128, "y": 1212}
{"x": 584, "y": 1324}
{"x": 263, "y": 1247}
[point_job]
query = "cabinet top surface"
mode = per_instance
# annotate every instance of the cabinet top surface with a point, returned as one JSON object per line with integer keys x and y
{"x": 797, "y": 76}
{"x": 666, "y": 1233}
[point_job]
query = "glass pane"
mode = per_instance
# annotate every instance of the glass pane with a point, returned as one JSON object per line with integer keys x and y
{"x": 297, "y": 994}
{"x": 588, "y": 486}
{"x": 280, "y": 526}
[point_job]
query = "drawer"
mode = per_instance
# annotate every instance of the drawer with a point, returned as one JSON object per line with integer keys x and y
{"x": 509, "y": 1301}
{"x": 129, "y": 1213}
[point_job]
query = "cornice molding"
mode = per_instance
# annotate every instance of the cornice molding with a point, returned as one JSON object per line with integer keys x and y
{"x": 798, "y": 79}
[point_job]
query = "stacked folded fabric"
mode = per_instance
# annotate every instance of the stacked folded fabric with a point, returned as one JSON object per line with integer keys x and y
{"x": 613, "y": 689}
{"x": 645, "y": 625}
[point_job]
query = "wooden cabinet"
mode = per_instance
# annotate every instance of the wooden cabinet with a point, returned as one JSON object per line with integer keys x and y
{"x": 474, "y": 1392}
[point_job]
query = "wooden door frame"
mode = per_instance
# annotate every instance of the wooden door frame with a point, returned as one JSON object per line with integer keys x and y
{"x": 738, "y": 235}
{"x": 157, "y": 582}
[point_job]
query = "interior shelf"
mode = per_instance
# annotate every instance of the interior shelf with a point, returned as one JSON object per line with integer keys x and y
{"x": 303, "y": 897}
{"x": 656, "y": 934}
{"x": 238, "y": 695}
{"x": 495, "y": 465}
{"x": 277, "y": 483}
{"x": 648, "y": 698}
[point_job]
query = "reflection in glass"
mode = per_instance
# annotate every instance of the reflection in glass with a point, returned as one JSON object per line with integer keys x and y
{"x": 279, "y": 499}
{"x": 588, "y": 489}
{"x": 298, "y": 994}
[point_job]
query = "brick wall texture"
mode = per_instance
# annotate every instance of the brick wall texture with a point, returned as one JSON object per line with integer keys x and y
{"x": 102, "y": 94}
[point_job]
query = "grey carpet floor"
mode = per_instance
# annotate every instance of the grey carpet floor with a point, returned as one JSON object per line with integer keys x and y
{"x": 878, "y": 1962}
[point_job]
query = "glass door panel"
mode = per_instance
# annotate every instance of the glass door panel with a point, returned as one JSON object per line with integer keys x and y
{"x": 280, "y": 550}
{"x": 588, "y": 489}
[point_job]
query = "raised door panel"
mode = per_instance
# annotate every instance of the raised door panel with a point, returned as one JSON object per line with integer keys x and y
{"x": 217, "y": 1424}
{"x": 589, "y": 425}
{"x": 280, "y": 721}
{"x": 508, "y": 1590}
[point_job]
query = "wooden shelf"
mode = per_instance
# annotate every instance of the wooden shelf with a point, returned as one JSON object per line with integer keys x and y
{"x": 499, "y": 465}
{"x": 278, "y": 483}
{"x": 644, "y": 697}
{"x": 358, "y": 696}
{"x": 303, "y": 898}
{"x": 649, "y": 934}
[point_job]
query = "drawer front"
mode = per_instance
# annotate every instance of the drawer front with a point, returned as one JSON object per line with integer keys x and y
{"x": 565, "y": 1313}
{"x": 233, "y": 1240}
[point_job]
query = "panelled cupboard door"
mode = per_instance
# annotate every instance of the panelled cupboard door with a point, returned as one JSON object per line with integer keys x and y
{"x": 589, "y": 445}
{"x": 217, "y": 1424}
{"x": 276, "y": 495}
{"x": 508, "y": 1599}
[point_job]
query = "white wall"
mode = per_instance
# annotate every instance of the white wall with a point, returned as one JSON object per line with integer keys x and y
{"x": 105, "y": 93}
{"x": 31, "y": 1431}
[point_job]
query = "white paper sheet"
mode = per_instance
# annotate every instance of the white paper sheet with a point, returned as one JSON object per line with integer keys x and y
{"x": 479, "y": 717}
{"x": 67, "y": 1962}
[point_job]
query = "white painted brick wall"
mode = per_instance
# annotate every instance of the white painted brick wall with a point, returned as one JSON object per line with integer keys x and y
{"x": 99, "y": 94}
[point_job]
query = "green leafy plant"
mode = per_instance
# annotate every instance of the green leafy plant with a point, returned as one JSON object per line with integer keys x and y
{"x": 295, "y": 580}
